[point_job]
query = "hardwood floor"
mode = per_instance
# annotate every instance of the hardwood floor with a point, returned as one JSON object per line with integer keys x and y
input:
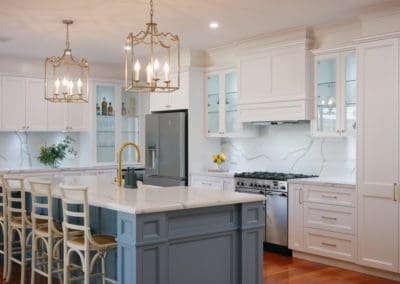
{"x": 282, "y": 269}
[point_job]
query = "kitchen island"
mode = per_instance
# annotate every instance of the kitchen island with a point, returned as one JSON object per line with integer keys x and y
{"x": 177, "y": 235}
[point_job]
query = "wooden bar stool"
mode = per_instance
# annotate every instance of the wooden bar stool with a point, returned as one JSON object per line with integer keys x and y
{"x": 18, "y": 222}
{"x": 73, "y": 198}
{"x": 3, "y": 224}
{"x": 46, "y": 230}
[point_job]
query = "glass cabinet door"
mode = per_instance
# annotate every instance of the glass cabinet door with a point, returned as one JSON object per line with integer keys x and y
{"x": 105, "y": 123}
{"x": 349, "y": 119}
{"x": 231, "y": 96}
{"x": 129, "y": 124}
{"x": 213, "y": 95}
{"x": 326, "y": 115}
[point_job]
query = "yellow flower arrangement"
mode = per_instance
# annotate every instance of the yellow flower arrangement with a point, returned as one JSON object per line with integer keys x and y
{"x": 219, "y": 158}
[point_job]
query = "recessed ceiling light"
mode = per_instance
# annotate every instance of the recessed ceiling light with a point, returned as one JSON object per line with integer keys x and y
{"x": 213, "y": 25}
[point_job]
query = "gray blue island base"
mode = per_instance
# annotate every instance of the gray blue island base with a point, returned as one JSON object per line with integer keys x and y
{"x": 175, "y": 235}
{"x": 212, "y": 245}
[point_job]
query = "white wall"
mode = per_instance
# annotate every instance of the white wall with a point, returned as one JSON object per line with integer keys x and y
{"x": 21, "y": 149}
{"x": 290, "y": 148}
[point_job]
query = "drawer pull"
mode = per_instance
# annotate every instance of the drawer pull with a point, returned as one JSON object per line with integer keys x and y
{"x": 328, "y": 244}
{"x": 329, "y": 196}
{"x": 206, "y": 183}
{"x": 329, "y": 218}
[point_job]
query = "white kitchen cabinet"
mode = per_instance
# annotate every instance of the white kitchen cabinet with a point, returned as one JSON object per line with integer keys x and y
{"x": 334, "y": 93}
{"x": 274, "y": 85}
{"x": 211, "y": 181}
{"x": 222, "y": 95}
{"x": 176, "y": 100}
{"x": 322, "y": 220}
{"x": 36, "y": 106}
{"x": 295, "y": 218}
{"x": 13, "y": 104}
{"x": 23, "y": 105}
{"x": 56, "y": 117}
{"x": 120, "y": 126}
{"x": 77, "y": 117}
{"x": 378, "y": 154}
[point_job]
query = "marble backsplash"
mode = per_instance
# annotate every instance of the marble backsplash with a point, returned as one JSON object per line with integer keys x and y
{"x": 290, "y": 148}
{"x": 20, "y": 149}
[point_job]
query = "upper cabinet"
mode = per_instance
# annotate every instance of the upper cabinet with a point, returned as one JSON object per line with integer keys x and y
{"x": 334, "y": 93}
{"x": 23, "y": 105}
{"x": 23, "y": 108}
{"x": 172, "y": 101}
{"x": 118, "y": 115}
{"x": 274, "y": 85}
{"x": 222, "y": 95}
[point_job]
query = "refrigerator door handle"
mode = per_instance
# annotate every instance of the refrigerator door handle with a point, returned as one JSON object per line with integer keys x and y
{"x": 153, "y": 158}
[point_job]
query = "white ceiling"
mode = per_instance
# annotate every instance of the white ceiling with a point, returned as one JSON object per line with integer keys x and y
{"x": 33, "y": 27}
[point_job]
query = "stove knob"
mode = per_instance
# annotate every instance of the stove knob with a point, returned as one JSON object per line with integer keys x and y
{"x": 238, "y": 183}
{"x": 251, "y": 184}
{"x": 259, "y": 185}
{"x": 283, "y": 187}
{"x": 242, "y": 183}
{"x": 268, "y": 186}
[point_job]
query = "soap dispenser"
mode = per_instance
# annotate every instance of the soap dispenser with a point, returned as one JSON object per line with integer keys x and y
{"x": 130, "y": 178}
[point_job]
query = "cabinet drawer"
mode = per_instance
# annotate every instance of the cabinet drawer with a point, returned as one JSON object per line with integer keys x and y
{"x": 328, "y": 244}
{"x": 207, "y": 182}
{"x": 330, "y": 195}
{"x": 338, "y": 219}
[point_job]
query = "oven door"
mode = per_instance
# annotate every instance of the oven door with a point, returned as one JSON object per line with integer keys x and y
{"x": 276, "y": 229}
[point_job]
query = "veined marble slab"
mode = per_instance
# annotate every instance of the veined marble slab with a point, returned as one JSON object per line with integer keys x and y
{"x": 214, "y": 174}
{"x": 102, "y": 192}
{"x": 327, "y": 181}
{"x": 65, "y": 169}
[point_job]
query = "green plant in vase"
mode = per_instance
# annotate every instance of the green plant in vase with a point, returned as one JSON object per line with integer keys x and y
{"x": 53, "y": 155}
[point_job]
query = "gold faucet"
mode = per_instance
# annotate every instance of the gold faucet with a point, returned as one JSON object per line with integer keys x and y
{"x": 121, "y": 150}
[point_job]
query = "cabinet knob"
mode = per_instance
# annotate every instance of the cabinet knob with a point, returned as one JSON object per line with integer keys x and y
{"x": 337, "y": 131}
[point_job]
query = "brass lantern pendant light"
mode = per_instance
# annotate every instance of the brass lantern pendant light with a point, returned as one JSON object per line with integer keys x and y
{"x": 66, "y": 78}
{"x": 152, "y": 60}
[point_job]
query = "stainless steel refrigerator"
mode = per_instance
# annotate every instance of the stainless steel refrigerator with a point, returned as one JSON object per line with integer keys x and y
{"x": 166, "y": 149}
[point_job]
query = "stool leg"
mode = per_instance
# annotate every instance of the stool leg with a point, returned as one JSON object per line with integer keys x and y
{"x": 66, "y": 264}
{"x": 5, "y": 248}
{"x": 103, "y": 268}
{"x": 34, "y": 255}
{"x": 57, "y": 255}
{"x": 23, "y": 255}
{"x": 9, "y": 263}
{"x": 49, "y": 260}
{"x": 86, "y": 266}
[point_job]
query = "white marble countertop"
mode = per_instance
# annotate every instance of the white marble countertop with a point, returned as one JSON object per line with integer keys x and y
{"x": 102, "y": 192}
{"x": 105, "y": 166}
{"x": 329, "y": 181}
{"x": 214, "y": 174}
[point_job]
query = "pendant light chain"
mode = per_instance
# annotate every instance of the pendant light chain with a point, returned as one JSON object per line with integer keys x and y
{"x": 151, "y": 11}
{"x": 67, "y": 37}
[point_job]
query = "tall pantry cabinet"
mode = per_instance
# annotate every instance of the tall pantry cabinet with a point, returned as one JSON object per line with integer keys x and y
{"x": 378, "y": 153}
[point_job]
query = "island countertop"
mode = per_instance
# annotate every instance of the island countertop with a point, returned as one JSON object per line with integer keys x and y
{"x": 103, "y": 192}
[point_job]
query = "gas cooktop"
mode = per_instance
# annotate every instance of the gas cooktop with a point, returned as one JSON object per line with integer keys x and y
{"x": 271, "y": 175}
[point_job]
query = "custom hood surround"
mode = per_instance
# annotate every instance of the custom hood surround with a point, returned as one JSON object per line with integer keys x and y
{"x": 275, "y": 78}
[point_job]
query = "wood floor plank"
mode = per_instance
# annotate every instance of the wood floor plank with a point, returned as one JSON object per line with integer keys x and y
{"x": 280, "y": 269}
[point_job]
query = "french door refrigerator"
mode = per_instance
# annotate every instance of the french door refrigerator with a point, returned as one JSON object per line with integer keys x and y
{"x": 166, "y": 149}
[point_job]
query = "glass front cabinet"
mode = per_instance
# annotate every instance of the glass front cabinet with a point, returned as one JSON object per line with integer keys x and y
{"x": 221, "y": 104}
{"x": 117, "y": 121}
{"x": 335, "y": 94}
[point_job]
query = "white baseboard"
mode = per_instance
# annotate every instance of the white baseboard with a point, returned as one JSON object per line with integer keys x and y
{"x": 347, "y": 265}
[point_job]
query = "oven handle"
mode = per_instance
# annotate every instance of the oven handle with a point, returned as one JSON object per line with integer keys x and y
{"x": 279, "y": 193}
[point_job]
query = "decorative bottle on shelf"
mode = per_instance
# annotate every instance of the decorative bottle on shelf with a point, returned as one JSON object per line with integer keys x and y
{"x": 104, "y": 107}
{"x": 123, "y": 109}
{"x": 110, "y": 109}
{"x": 98, "y": 112}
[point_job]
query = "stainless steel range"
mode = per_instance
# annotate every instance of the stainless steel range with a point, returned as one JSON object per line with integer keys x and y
{"x": 274, "y": 187}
